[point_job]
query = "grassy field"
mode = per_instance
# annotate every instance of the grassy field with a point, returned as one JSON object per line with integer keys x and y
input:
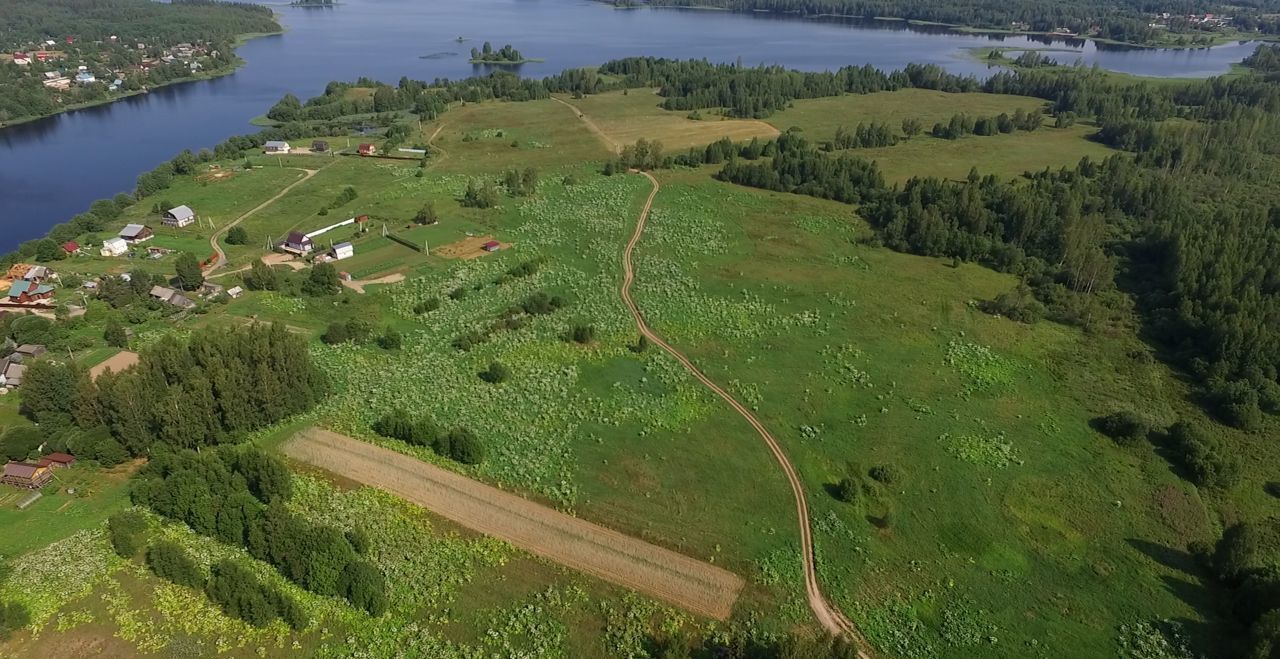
{"x": 639, "y": 114}
{"x": 1006, "y": 526}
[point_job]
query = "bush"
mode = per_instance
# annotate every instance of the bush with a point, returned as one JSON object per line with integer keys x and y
{"x": 497, "y": 373}
{"x": 426, "y": 306}
{"x": 237, "y": 236}
{"x": 1019, "y": 305}
{"x": 848, "y": 490}
{"x": 335, "y": 334}
{"x": 1125, "y": 427}
{"x": 465, "y": 447}
{"x": 582, "y": 333}
{"x": 322, "y": 280}
{"x": 886, "y": 473}
{"x": 359, "y": 540}
{"x": 1272, "y": 488}
{"x": 365, "y": 587}
{"x": 126, "y": 529}
{"x": 114, "y": 335}
{"x": 1207, "y": 461}
{"x": 20, "y": 442}
{"x": 168, "y": 560}
{"x": 641, "y": 345}
{"x": 390, "y": 339}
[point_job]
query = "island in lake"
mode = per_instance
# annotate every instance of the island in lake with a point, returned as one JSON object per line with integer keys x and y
{"x": 505, "y": 55}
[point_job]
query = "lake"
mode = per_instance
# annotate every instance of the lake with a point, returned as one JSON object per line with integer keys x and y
{"x": 54, "y": 168}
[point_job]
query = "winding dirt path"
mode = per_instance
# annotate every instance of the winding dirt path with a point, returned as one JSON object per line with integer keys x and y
{"x": 213, "y": 240}
{"x": 828, "y": 616}
{"x": 591, "y": 125}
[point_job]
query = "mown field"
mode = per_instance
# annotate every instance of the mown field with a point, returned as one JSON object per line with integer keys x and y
{"x": 1008, "y": 528}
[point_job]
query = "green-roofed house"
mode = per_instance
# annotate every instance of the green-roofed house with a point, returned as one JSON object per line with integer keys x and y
{"x": 27, "y": 292}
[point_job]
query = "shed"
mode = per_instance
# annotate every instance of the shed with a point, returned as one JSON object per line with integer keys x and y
{"x": 319, "y": 146}
{"x": 276, "y": 146}
{"x": 179, "y": 217}
{"x": 22, "y": 474}
{"x": 13, "y": 375}
{"x": 491, "y": 246}
{"x": 37, "y": 273}
{"x": 210, "y": 288}
{"x": 114, "y": 247}
{"x": 235, "y": 292}
{"x": 136, "y": 233}
{"x": 60, "y": 460}
{"x": 367, "y": 149}
{"x": 30, "y": 350}
{"x": 343, "y": 251}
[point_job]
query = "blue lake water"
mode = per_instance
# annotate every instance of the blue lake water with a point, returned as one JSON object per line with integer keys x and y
{"x": 52, "y": 169}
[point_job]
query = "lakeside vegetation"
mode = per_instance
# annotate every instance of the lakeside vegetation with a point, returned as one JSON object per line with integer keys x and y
{"x": 1121, "y": 21}
{"x": 1049, "y": 325}
{"x": 133, "y": 41}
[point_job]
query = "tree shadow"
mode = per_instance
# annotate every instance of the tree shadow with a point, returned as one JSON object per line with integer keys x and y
{"x": 1170, "y": 557}
{"x": 1216, "y": 628}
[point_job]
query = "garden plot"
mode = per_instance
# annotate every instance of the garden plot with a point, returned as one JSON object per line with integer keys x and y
{"x": 596, "y": 550}
{"x": 469, "y": 248}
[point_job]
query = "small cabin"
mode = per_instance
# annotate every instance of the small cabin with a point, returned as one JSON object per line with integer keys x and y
{"x": 136, "y": 233}
{"x": 179, "y": 217}
{"x": 343, "y": 251}
{"x": 367, "y": 150}
{"x": 276, "y": 146}
{"x": 319, "y": 146}
{"x": 491, "y": 246}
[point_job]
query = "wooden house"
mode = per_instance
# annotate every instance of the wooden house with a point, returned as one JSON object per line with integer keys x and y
{"x": 22, "y": 474}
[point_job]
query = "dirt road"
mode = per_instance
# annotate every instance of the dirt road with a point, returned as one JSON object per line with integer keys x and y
{"x": 661, "y": 573}
{"x": 591, "y": 125}
{"x": 221, "y": 260}
{"x": 828, "y": 616}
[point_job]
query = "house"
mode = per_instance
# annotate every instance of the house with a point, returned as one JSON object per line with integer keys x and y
{"x": 37, "y": 273}
{"x": 57, "y": 461}
{"x": 367, "y": 150}
{"x": 276, "y": 146}
{"x": 319, "y": 146}
{"x": 491, "y": 246}
{"x": 71, "y": 247}
{"x": 361, "y": 219}
{"x": 12, "y": 374}
{"x": 27, "y": 292}
{"x": 21, "y": 474}
{"x": 343, "y": 251}
{"x": 114, "y": 247}
{"x": 179, "y": 217}
{"x": 21, "y": 59}
{"x": 85, "y": 78}
{"x": 235, "y": 292}
{"x": 136, "y": 233}
{"x": 30, "y": 350}
{"x": 170, "y": 296}
{"x": 58, "y": 83}
{"x": 211, "y": 289}
{"x": 298, "y": 243}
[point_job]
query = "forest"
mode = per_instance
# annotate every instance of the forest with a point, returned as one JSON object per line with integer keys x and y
{"x": 1118, "y": 20}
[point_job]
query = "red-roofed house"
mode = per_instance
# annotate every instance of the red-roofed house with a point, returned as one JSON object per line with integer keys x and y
{"x": 26, "y": 475}
{"x": 57, "y": 460}
{"x": 491, "y": 246}
{"x": 367, "y": 150}
{"x": 71, "y": 247}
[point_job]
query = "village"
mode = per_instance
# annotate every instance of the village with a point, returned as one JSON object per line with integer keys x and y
{"x": 57, "y": 71}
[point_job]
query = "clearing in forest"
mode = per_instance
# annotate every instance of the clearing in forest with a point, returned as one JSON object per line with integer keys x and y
{"x": 638, "y": 114}
{"x": 660, "y": 573}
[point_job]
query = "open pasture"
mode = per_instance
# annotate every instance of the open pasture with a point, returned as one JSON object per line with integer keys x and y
{"x": 820, "y": 117}
{"x": 638, "y": 114}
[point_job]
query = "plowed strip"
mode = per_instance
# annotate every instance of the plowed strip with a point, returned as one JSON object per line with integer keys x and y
{"x": 578, "y": 544}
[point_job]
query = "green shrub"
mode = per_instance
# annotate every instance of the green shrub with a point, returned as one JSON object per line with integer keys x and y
{"x": 848, "y": 490}
{"x": 126, "y": 530}
{"x": 426, "y": 306}
{"x": 465, "y": 447}
{"x": 582, "y": 333}
{"x": 335, "y": 334}
{"x": 1125, "y": 427}
{"x": 886, "y": 473}
{"x": 391, "y": 339}
{"x": 1207, "y": 461}
{"x": 237, "y": 235}
{"x": 13, "y": 616}
{"x": 168, "y": 560}
{"x": 497, "y": 373}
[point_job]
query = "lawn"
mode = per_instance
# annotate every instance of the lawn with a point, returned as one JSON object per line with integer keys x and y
{"x": 59, "y": 513}
{"x": 1003, "y": 155}
{"x": 487, "y": 138}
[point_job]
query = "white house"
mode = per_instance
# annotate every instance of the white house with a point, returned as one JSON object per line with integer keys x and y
{"x": 343, "y": 251}
{"x": 114, "y": 247}
{"x": 276, "y": 146}
{"x": 179, "y": 217}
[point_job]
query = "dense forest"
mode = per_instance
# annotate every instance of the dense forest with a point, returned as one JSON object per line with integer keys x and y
{"x": 1119, "y": 20}
{"x": 209, "y": 389}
